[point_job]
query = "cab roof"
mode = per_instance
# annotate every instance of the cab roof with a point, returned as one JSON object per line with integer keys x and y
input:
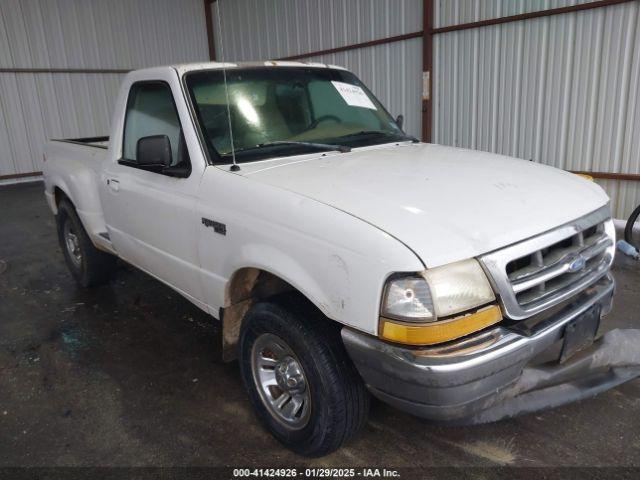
{"x": 189, "y": 67}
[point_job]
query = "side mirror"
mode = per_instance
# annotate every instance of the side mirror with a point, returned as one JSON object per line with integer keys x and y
{"x": 181, "y": 170}
{"x": 154, "y": 150}
{"x": 400, "y": 121}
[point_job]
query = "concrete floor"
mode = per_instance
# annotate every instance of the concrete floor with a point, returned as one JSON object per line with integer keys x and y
{"x": 127, "y": 374}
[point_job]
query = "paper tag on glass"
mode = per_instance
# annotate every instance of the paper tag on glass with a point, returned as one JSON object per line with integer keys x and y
{"x": 354, "y": 95}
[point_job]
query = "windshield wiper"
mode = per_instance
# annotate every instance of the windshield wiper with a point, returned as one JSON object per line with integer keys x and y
{"x": 365, "y": 133}
{"x": 323, "y": 146}
{"x": 317, "y": 146}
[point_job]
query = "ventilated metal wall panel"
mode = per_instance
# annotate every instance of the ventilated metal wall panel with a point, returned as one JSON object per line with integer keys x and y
{"x": 259, "y": 30}
{"x": 84, "y": 34}
{"x": 561, "y": 90}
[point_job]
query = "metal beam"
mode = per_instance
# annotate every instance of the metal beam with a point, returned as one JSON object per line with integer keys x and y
{"x": 526, "y": 16}
{"x": 631, "y": 177}
{"x": 65, "y": 70}
{"x": 354, "y": 46}
{"x": 20, "y": 175}
{"x": 427, "y": 69}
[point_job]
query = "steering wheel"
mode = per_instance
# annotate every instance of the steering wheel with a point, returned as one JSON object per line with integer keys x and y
{"x": 211, "y": 124}
{"x": 323, "y": 118}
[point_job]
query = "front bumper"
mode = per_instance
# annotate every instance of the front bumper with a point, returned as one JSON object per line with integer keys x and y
{"x": 500, "y": 373}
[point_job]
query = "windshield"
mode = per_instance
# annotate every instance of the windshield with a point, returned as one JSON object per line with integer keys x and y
{"x": 287, "y": 111}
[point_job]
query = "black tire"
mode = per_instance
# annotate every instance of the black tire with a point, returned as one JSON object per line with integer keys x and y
{"x": 339, "y": 400}
{"x": 628, "y": 231}
{"x": 94, "y": 267}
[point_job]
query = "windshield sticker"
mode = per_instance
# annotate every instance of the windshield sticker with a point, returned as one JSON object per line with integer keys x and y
{"x": 354, "y": 95}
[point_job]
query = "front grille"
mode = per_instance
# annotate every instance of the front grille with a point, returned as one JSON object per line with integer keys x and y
{"x": 546, "y": 272}
{"x": 540, "y": 272}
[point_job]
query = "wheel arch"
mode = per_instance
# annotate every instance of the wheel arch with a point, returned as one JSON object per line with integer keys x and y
{"x": 60, "y": 194}
{"x": 246, "y": 287}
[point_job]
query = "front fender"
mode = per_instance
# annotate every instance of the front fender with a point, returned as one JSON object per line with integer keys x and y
{"x": 337, "y": 261}
{"x": 329, "y": 298}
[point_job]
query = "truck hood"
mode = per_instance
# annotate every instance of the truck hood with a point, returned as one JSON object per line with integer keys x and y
{"x": 444, "y": 203}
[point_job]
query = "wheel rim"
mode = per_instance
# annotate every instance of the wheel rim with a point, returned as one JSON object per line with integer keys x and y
{"x": 73, "y": 244}
{"x": 281, "y": 381}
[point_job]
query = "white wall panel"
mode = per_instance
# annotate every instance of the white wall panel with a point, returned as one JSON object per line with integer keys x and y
{"x": 269, "y": 29}
{"x": 100, "y": 33}
{"x": 392, "y": 72}
{"x": 561, "y": 90}
{"x": 84, "y": 34}
{"x": 37, "y": 107}
{"x": 455, "y": 12}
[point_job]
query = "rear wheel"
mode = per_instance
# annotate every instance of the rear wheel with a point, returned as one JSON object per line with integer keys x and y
{"x": 632, "y": 229}
{"x": 88, "y": 265}
{"x": 301, "y": 382}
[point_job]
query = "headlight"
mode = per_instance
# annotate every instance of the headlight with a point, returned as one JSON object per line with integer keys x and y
{"x": 437, "y": 292}
{"x": 458, "y": 287}
{"x": 426, "y": 304}
{"x": 409, "y": 299}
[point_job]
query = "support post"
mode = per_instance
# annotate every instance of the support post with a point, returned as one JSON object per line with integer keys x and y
{"x": 208, "y": 18}
{"x": 427, "y": 70}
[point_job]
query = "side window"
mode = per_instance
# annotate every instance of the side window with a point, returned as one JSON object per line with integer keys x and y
{"x": 151, "y": 111}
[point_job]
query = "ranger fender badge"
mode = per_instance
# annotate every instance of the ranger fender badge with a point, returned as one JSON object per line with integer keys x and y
{"x": 218, "y": 227}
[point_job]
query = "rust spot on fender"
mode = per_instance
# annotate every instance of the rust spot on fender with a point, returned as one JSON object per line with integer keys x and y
{"x": 245, "y": 288}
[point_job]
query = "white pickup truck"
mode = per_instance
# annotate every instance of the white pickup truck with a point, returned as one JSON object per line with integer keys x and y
{"x": 342, "y": 256}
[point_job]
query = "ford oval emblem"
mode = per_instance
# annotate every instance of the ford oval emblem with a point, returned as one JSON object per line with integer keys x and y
{"x": 577, "y": 264}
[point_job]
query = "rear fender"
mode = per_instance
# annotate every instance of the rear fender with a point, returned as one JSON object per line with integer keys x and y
{"x": 79, "y": 183}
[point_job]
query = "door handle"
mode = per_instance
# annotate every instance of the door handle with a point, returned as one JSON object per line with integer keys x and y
{"x": 113, "y": 184}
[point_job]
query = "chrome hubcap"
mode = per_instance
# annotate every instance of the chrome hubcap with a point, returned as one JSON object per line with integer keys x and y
{"x": 281, "y": 381}
{"x": 73, "y": 244}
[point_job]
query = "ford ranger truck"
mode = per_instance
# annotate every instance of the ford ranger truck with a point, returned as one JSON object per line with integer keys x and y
{"x": 341, "y": 256}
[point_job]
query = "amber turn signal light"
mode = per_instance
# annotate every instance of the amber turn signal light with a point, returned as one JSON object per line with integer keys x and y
{"x": 439, "y": 332}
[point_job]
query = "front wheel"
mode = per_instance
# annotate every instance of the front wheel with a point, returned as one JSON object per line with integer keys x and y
{"x": 301, "y": 382}
{"x": 632, "y": 229}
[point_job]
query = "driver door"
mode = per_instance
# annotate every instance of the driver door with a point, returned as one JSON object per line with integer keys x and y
{"x": 150, "y": 215}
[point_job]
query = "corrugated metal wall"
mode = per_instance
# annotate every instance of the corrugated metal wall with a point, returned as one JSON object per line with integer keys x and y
{"x": 455, "y": 12}
{"x": 259, "y": 30}
{"x": 82, "y": 34}
{"x": 562, "y": 90}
